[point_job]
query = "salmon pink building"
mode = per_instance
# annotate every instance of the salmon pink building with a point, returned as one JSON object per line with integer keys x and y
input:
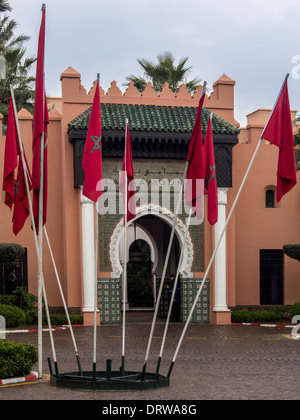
{"x": 250, "y": 267}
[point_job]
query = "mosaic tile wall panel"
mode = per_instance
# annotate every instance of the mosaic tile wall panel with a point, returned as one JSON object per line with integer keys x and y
{"x": 145, "y": 170}
{"x": 109, "y": 301}
{"x": 189, "y": 288}
{"x": 164, "y": 304}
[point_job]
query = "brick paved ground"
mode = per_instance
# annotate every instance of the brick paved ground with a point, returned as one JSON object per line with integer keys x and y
{"x": 214, "y": 362}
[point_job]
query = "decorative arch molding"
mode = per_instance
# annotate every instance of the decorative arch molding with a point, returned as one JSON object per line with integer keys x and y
{"x": 181, "y": 231}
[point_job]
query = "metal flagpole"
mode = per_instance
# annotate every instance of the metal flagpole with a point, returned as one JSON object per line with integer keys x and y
{"x": 172, "y": 300}
{"x": 95, "y": 281}
{"x": 33, "y": 226}
{"x": 221, "y": 236}
{"x": 40, "y": 244}
{"x": 40, "y": 254}
{"x": 63, "y": 300}
{"x": 95, "y": 292}
{"x": 124, "y": 286}
{"x": 164, "y": 274}
{"x": 166, "y": 263}
{"x": 212, "y": 258}
{"x": 36, "y": 244}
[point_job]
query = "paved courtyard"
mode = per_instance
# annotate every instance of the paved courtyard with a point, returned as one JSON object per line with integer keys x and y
{"x": 214, "y": 362}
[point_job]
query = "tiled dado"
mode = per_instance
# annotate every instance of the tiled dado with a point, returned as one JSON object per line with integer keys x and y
{"x": 189, "y": 289}
{"x": 109, "y": 303}
{"x": 109, "y": 300}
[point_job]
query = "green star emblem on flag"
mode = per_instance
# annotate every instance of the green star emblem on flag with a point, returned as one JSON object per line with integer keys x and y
{"x": 213, "y": 174}
{"x": 97, "y": 144}
{"x": 17, "y": 183}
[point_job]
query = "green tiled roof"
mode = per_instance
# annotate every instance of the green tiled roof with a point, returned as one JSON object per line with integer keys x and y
{"x": 152, "y": 118}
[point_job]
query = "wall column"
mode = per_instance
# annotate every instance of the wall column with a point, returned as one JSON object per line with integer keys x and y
{"x": 88, "y": 258}
{"x": 222, "y": 314}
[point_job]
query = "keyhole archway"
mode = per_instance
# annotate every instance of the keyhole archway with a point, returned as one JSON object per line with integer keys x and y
{"x": 153, "y": 224}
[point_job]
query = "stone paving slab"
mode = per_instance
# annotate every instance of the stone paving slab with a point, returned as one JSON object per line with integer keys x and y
{"x": 236, "y": 362}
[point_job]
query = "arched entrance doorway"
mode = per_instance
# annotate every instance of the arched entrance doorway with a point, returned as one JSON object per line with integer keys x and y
{"x": 153, "y": 224}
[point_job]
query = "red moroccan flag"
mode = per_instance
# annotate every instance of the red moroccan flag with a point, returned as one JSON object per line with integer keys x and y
{"x": 10, "y": 157}
{"x": 279, "y": 131}
{"x": 210, "y": 175}
{"x": 92, "y": 156}
{"x": 127, "y": 169}
{"x": 40, "y": 121}
{"x": 21, "y": 205}
{"x": 195, "y": 173}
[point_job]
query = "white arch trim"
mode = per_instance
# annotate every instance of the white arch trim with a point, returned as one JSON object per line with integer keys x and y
{"x": 181, "y": 230}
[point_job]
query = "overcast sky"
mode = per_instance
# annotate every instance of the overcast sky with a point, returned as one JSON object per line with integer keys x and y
{"x": 255, "y": 42}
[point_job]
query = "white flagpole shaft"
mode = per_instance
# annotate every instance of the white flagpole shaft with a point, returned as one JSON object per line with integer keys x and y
{"x": 167, "y": 259}
{"x": 124, "y": 277}
{"x": 61, "y": 291}
{"x": 164, "y": 269}
{"x": 95, "y": 289}
{"x": 214, "y": 254}
{"x": 95, "y": 282}
{"x": 124, "y": 286}
{"x": 32, "y": 219}
{"x": 174, "y": 291}
{"x": 40, "y": 255}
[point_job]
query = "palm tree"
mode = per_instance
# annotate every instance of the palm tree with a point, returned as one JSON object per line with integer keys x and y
{"x": 17, "y": 68}
{"x": 17, "y": 65}
{"x": 5, "y": 6}
{"x": 164, "y": 71}
{"x": 7, "y": 39}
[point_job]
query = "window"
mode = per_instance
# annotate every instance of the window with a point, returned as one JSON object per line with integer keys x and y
{"x": 13, "y": 274}
{"x": 270, "y": 199}
{"x": 271, "y": 277}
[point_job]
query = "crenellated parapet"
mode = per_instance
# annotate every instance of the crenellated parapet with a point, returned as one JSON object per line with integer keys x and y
{"x": 220, "y": 100}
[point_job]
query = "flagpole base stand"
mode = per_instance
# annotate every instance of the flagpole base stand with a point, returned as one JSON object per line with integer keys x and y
{"x": 115, "y": 380}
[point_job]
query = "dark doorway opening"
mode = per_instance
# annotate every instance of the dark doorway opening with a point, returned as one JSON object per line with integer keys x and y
{"x": 13, "y": 274}
{"x": 271, "y": 277}
{"x": 139, "y": 275}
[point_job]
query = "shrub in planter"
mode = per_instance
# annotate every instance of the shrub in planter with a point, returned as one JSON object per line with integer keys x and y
{"x": 14, "y": 316}
{"x": 16, "y": 359}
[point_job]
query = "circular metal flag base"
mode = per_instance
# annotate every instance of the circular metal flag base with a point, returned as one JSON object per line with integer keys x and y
{"x": 107, "y": 380}
{"x": 115, "y": 381}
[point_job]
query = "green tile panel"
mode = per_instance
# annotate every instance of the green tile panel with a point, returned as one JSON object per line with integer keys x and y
{"x": 109, "y": 301}
{"x": 189, "y": 289}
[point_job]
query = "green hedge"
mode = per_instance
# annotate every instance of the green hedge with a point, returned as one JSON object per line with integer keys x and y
{"x": 295, "y": 309}
{"x": 14, "y": 316}
{"x": 244, "y": 315}
{"x": 16, "y": 359}
{"x": 63, "y": 320}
